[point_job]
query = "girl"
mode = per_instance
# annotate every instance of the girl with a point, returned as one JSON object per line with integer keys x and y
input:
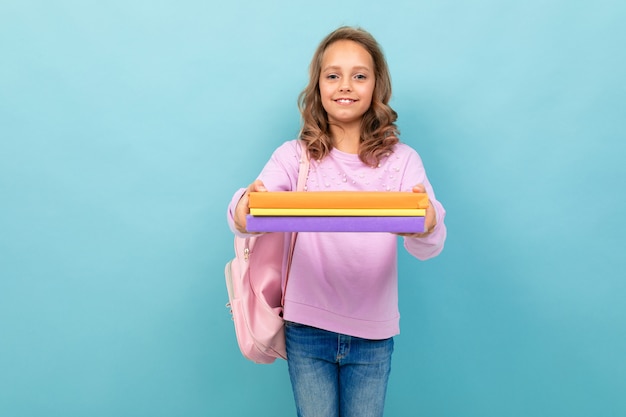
{"x": 341, "y": 304}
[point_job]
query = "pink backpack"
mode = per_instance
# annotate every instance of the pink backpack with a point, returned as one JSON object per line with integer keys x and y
{"x": 255, "y": 289}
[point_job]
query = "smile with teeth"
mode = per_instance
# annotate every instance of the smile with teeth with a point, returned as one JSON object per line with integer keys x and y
{"x": 345, "y": 101}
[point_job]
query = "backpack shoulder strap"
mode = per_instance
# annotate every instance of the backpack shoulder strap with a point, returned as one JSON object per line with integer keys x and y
{"x": 303, "y": 173}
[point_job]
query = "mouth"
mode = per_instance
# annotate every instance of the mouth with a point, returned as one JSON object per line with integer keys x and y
{"x": 345, "y": 101}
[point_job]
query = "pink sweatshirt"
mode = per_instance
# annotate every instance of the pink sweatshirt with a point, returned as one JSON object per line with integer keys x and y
{"x": 348, "y": 282}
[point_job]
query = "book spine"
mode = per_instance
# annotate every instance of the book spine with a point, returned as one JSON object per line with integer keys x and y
{"x": 409, "y": 224}
{"x": 338, "y": 199}
{"x": 335, "y": 212}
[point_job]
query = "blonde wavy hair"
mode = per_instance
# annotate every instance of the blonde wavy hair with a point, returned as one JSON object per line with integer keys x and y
{"x": 378, "y": 129}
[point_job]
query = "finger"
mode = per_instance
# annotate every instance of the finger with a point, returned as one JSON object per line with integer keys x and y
{"x": 258, "y": 186}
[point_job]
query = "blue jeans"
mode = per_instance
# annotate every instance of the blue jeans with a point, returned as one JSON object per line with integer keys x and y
{"x": 335, "y": 375}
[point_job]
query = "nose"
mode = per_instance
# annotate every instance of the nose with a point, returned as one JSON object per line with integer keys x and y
{"x": 345, "y": 85}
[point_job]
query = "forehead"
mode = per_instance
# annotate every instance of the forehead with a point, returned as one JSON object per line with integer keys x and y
{"x": 346, "y": 53}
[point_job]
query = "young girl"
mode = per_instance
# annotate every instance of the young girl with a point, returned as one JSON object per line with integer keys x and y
{"x": 341, "y": 304}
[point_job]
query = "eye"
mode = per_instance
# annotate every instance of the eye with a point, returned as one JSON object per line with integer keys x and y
{"x": 360, "y": 77}
{"x": 332, "y": 76}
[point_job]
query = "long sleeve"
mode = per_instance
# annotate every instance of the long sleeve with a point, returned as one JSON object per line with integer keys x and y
{"x": 431, "y": 245}
{"x": 230, "y": 213}
{"x": 280, "y": 173}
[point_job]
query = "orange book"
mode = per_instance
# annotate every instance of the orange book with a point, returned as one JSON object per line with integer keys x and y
{"x": 339, "y": 199}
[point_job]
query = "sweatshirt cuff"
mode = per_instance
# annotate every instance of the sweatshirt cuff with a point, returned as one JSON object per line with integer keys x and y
{"x": 230, "y": 214}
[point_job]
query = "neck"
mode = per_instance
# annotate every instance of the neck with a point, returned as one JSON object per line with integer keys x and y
{"x": 346, "y": 138}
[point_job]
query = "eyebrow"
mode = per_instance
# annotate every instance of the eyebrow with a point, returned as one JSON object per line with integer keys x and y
{"x": 337, "y": 67}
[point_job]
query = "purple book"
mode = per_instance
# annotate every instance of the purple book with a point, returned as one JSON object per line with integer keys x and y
{"x": 391, "y": 224}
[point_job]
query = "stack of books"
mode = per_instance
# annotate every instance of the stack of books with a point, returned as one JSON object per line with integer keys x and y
{"x": 337, "y": 211}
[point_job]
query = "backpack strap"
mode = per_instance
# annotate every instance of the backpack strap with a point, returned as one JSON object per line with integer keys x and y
{"x": 303, "y": 173}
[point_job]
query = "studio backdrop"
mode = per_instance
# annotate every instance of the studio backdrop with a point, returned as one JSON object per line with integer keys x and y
{"x": 126, "y": 127}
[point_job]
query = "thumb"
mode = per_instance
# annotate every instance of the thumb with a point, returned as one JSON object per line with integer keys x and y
{"x": 258, "y": 185}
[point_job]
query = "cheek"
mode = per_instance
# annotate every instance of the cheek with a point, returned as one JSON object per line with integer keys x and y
{"x": 368, "y": 92}
{"x": 325, "y": 92}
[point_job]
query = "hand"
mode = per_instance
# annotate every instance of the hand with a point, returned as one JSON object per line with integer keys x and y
{"x": 243, "y": 206}
{"x": 430, "y": 220}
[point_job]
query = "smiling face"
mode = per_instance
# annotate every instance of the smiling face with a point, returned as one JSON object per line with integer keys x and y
{"x": 346, "y": 83}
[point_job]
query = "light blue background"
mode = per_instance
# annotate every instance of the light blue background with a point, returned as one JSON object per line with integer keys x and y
{"x": 125, "y": 127}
